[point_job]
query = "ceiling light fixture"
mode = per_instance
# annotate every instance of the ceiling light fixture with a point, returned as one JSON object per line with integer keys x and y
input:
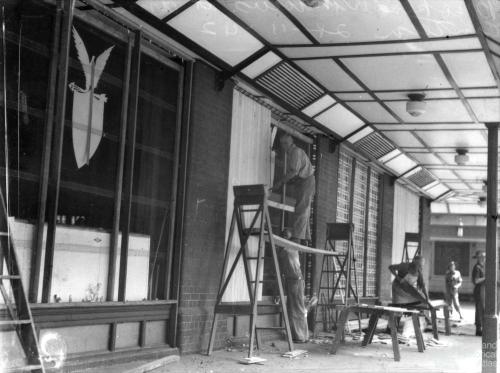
{"x": 481, "y": 201}
{"x": 461, "y": 158}
{"x": 313, "y": 3}
{"x": 416, "y": 105}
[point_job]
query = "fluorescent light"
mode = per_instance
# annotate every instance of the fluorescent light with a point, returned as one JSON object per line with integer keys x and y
{"x": 260, "y": 65}
{"x": 437, "y": 190}
{"x": 360, "y": 134}
{"x": 340, "y": 120}
{"x": 319, "y": 105}
{"x": 401, "y": 164}
{"x": 390, "y": 155}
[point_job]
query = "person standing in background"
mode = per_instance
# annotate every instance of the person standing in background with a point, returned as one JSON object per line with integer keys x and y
{"x": 453, "y": 281}
{"x": 479, "y": 290}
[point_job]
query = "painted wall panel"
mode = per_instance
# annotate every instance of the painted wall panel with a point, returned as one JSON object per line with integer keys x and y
{"x": 250, "y": 163}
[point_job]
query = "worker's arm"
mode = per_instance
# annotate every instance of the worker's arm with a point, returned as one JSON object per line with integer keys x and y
{"x": 394, "y": 269}
{"x": 292, "y": 169}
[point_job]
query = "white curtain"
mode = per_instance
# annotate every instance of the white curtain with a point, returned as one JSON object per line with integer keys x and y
{"x": 406, "y": 210}
{"x": 250, "y": 163}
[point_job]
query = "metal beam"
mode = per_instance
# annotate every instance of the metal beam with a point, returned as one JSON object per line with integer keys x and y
{"x": 56, "y": 159}
{"x": 490, "y": 320}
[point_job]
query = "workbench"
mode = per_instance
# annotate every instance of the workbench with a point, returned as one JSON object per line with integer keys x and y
{"x": 375, "y": 313}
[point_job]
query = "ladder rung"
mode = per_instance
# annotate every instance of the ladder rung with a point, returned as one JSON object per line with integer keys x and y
{"x": 9, "y": 277}
{"x": 26, "y": 368}
{"x": 271, "y": 327}
{"x": 15, "y": 322}
{"x": 254, "y": 257}
{"x": 4, "y": 234}
{"x": 265, "y": 280}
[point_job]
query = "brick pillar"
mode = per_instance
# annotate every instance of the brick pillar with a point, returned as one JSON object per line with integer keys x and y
{"x": 386, "y": 223}
{"x": 205, "y": 214}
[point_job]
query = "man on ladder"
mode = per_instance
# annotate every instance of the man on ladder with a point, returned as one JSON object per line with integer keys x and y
{"x": 300, "y": 174}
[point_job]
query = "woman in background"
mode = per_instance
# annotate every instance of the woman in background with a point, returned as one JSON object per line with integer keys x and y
{"x": 453, "y": 281}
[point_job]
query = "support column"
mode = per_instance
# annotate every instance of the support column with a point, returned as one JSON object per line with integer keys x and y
{"x": 490, "y": 321}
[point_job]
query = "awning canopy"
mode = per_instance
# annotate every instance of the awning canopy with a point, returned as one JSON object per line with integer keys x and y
{"x": 348, "y": 66}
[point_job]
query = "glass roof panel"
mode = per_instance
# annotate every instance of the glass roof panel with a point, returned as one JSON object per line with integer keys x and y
{"x": 444, "y": 174}
{"x": 442, "y": 18}
{"x": 338, "y": 21}
{"x": 488, "y": 12}
{"x": 330, "y": 75}
{"x": 340, "y": 120}
{"x": 426, "y": 158}
{"x": 476, "y": 175}
{"x": 486, "y": 109}
{"x": 216, "y": 32}
{"x": 453, "y": 139}
{"x": 460, "y": 64}
{"x": 319, "y": 105}
{"x": 161, "y": 8}
{"x": 390, "y": 155}
{"x": 262, "y": 64}
{"x": 372, "y": 111}
{"x": 401, "y": 164}
{"x": 436, "y": 111}
{"x": 403, "y": 138}
{"x": 398, "y": 72}
{"x": 437, "y": 190}
{"x": 267, "y": 20}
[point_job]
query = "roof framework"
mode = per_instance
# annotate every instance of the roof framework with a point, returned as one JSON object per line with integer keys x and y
{"x": 346, "y": 68}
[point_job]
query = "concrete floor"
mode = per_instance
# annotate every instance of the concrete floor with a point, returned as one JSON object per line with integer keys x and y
{"x": 461, "y": 353}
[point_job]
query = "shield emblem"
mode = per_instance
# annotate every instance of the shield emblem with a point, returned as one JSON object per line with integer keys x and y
{"x": 88, "y": 107}
{"x": 87, "y": 133}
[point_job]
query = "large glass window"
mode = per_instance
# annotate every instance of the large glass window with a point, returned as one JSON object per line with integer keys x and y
{"x": 27, "y": 64}
{"x": 90, "y": 158}
{"x": 154, "y": 167}
{"x": 89, "y": 165}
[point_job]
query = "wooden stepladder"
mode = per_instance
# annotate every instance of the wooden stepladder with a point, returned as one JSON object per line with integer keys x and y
{"x": 250, "y": 204}
{"x": 338, "y": 279}
{"x": 412, "y": 243}
{"x": 18, "y": 312}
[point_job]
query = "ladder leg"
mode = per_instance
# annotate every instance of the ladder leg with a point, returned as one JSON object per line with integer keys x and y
{"x": 212, "y": 335}
{"x": 260, "y": 260}
{"x": 277, "y": 273}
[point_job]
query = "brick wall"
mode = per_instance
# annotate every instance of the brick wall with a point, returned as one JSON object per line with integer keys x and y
{"x": 205, "y": 215}
{"x": 326, "y": 199}
{"x": 425, "y": 234}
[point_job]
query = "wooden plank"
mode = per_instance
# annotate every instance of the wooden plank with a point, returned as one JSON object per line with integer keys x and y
{"x": 290, "y": 245}
{"x": 280, "y": 206}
